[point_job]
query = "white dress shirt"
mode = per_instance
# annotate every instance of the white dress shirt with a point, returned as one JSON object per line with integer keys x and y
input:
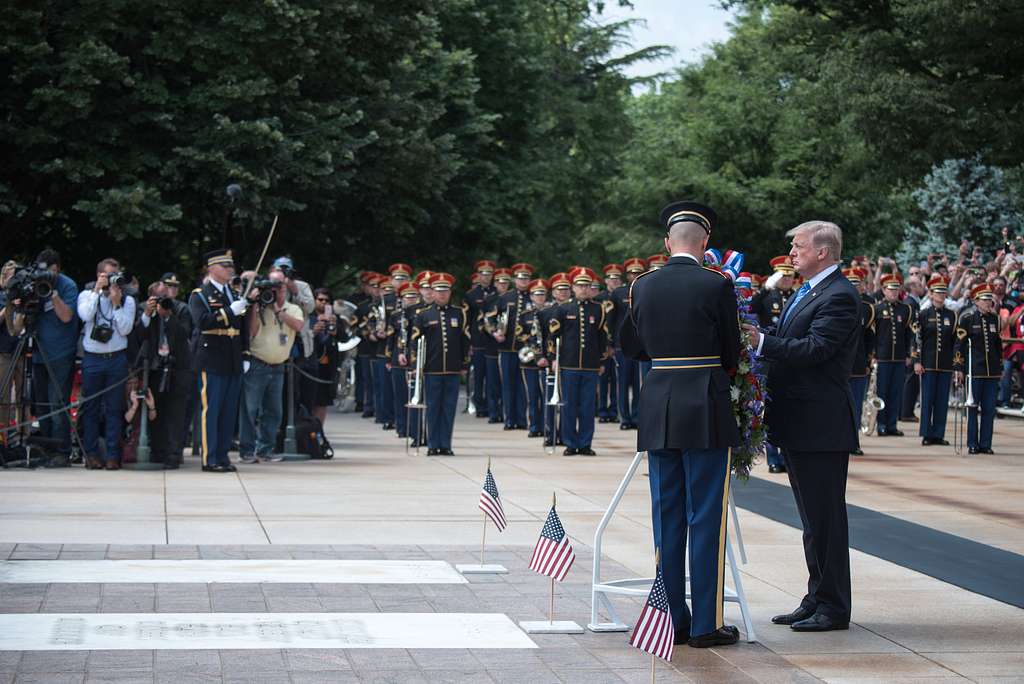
{"x": 95, "y": 308}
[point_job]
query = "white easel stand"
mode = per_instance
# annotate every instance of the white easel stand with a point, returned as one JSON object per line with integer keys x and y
{"x": 485, "y": 569}
{"x": 642, "y": 586}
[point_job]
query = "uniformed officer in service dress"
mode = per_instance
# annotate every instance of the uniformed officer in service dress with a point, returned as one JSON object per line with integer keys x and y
{"x": 683, "y": 317}
{"x": 218, "y": 316}
{"x": 894, "y": 334}
{"x": 530, "y": 332}
{"x": 607, "y": 384}
{"x": 627, "y": 370}
{"x": 504, "y": 315}
{"x": 979, "y": 349}
{"x": 933, "y": 361}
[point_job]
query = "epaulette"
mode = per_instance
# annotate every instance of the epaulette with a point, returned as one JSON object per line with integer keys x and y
{"x": 629, "y": 297}
{"x": 716, "y": 271}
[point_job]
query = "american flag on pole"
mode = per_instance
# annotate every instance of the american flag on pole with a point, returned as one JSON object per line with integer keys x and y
{"x": 490, "y": 502}
{"x": 553, "y": 555}
{"x": 653, "y": 632}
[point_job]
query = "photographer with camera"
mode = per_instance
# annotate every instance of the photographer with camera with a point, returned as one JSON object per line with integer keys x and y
{"x": 10, "y": 330}
{"x": 108, "y": 315}
{"x": 167, "y": 327}
{"x": 299, "y": 293}
{"x": 328, "y": 329}
{"x": 273, "y": 325}
{"x": 41, "y": 298}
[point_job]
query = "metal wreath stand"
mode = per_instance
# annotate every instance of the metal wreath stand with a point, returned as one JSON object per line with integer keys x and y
{"x": 641, "y": 586}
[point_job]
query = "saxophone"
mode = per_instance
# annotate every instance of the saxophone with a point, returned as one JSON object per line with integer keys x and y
{"x": 872, "y": 403}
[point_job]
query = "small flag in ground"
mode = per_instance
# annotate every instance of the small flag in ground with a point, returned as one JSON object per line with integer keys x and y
{"x": 653, "y": 632}
{"x": 490, "y": 502}
{"x": 553, "y": 555}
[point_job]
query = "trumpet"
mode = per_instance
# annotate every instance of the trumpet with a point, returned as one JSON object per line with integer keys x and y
{"x": 873, "y": 403}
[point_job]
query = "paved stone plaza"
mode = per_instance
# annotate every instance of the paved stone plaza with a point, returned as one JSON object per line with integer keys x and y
{"x": 373, "y": 502}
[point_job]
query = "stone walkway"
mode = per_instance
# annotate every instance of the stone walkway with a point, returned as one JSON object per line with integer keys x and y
{"x": 373, "y": 501}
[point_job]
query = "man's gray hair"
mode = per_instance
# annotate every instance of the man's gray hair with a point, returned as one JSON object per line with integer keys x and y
{"x": 822, "y": 234}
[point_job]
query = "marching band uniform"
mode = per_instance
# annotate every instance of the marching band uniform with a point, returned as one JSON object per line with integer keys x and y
{"x": 476, "y": 300}
{"x": 217, "y": 358}
{"x": 894, "y": 334}
{"x": 977, "y": 336}
{"x": 384, "y": 401}
{"x": 528, "y": 330}
{"x": 627, "y": 369}
{"x": 607, "y": 383}
{"x": 559, "y": 284}
{"x": 447, "y": 348}
{"x": 934, "y": 351}
{"x": 399, "y": 329}
{"x": 865, "y": 346}
{"x": 367, "y": 349}
{"x": 510, "y": 306}
{"x": 684, "y": 318}
{"x": 581, "y": 326}
{"x": 491, "y": 353}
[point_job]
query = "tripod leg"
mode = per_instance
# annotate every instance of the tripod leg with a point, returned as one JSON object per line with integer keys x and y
{"x": 55, "y": 387}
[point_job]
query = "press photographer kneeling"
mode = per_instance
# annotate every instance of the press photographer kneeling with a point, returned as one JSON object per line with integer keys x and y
{"x": 273, "y": 324}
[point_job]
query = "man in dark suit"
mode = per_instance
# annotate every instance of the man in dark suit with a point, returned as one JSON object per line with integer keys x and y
{"x": 811, "y": 416}
{"x": 682, "y": 318}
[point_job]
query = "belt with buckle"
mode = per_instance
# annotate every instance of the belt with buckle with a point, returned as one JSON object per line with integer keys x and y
{"x": 686, "y": 362}
{"x": 230, "y": 332}
{"x": 106, "y": 355}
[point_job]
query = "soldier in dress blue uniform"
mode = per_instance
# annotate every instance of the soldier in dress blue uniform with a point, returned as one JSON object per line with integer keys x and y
{"x": 367, "y": 351}
{"x": 561, "y": 292}
{"x": 504, "y": 315}
{"x": 493, "y": 385}
{"x": 531, "y": 335}
{"x": 683, "y": 318}
{"x": 865, "y": 348}
{"x": 446, "y": 331}
{"x": 398, "y": 332}
{"x": 476, "y": 300}
{"x": 977, "y": 338}
{"x": 627, "y": 370}
{"x": 894, "y": 335}
{"x": 218, "y": 317}
{"x": 585, "y": 344}
{"x": 933, "y": 361}
{"x": 607, "y": 384}
{"x": 384, "y": 399}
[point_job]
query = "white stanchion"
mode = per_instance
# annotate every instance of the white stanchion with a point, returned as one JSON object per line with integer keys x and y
{"x": 641, "y": 586}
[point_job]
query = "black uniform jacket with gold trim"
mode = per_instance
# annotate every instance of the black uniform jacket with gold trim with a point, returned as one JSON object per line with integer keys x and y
{"x": 477, "y": 301}
{"x": 810, "y": 404}
{"x": 447, "y": 338}
{"x": 365, "y": 323}
{"x": 512, "y": 304}
{"x": 620, "y": 302}
{"x": 581, "y": 327}
{"x": 220, "y": 335}
{"x": 865, "y": 341}
{"x": 486, "y": 325}
{"x": 533, "y": 337}
{"x": 933, "y": 344}
{"x": 396, "y": 342}
{"x": 684, "y": 317}
{"x": 986, "y": 348}
{"x": 894, "y": 331}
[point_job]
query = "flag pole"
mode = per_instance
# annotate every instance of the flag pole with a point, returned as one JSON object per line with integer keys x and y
{"x": 654, "y": 663}
{"x": 483, "y": 538}
{"x": 657, "y": 562}
{"x": 551, "y": 607}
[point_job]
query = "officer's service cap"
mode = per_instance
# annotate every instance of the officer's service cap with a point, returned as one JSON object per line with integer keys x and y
{"x": 656, "y": 261}
{"x": 635, "y": 265}
{"x": 484, "y": 266}
{"x": 581, "y": 275}
{"x": 220, "y": 257}
{"x": 400, "y": 270}
{"x": 560, "y": 281}
{"x": 170, "y": 279}
{"x": 891, "y": 281}
{"x": 937, "y": 283}
{"x": 442, "y": 281}
{"x": 407, "y": 289}
{"x": 503, "y": 275}
{"x": 522, "y": 270}
{"x": 693, "y": 212}
{"x": 422, "y": 278}
{"x": 852, "y": 274}
{"x": 611, "y": 270}
{"x": 981, "y": 291}
{"x": 782, "y": 264}
{"x": 538, "y": 286}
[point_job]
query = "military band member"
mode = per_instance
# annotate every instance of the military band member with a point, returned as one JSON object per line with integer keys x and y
{"x": 384, "y": 397}
{"x": 531, "y": 335}
{"x": 218, "y": 317}
{"x": 894, "y": 335}
{"x": 769, "y": 302}
{"x": 627, "y": 369}
{"x": 684, "y": 318}
{"x": 607, "y": 384}
{"x": 493, "y": 386}
{"x": 503, "y": 316}
{"x": 561, "y": 292}
{"x": 446, "y": 331}
{"x": 399, "y": 330}
{"x": 656, "y": 261}
{"x": 865, "y": 348}
{"x": 978, "y": 344}
{"x": 476, "y": 299}
{"x": 581, "y": 326}
{"x": 933, "y": 361}
{"x": 400, "y": 274}
{"x": 367, "y": 351}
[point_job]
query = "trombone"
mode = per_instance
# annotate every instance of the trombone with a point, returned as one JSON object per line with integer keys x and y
{"x": 416, "y": 401}
{"x": 551, "y": 380}
{"x": 964, "y": 401}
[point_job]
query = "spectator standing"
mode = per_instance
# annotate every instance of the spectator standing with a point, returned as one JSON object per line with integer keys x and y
{"x": 108, "y": 316}
{"x": 11, "y": 329}
{"x": 272, "y": 329}
{"x": 300, "y": 293}
{"x": 328, "y": 330}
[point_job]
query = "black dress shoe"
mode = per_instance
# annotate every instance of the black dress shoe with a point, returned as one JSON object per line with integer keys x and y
{"x": 891, "y": 433}
{"x": 549, "y": 442}
{"x": 535, "y": 433}
{"x": 446, "y": 452}
{"x": 229, "y": 469}
{"x": 213, "y": 469}
{"x": 432, "y": 452}
{"x": 797, "y": 615}
{"x": 494, "y": 420}
{"x": 720, "y": 637}
{"x": 559, "y": 442}
{"x": 986, "y": 450}
{"x": 415, "y": 444}
{"x": 509, "y": 427}
{"x": 857, "y": 452}
{"x": 819, "y": 622}
{"x": 587, "y": 451}
{"x": 939, "y": 442}
{"x": 389, "y": 426}
{"x": 624, "y": 426}
{"x": 776, "y": 469}
{"x": 973, "y": 450}
{"x": 926, "y": 441}
{"x": 569, "y": 452}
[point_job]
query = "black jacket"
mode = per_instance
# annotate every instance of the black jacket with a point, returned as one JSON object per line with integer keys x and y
{"x": 810, "y": 405}
{"x": 684, "y": 311}
{"x": 580, "y": 325}
{"x": 447, "y": 335}
{"x": 221, "y": 337}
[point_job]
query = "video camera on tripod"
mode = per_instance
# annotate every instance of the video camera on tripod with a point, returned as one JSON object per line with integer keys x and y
{"x": 30, "y": 286}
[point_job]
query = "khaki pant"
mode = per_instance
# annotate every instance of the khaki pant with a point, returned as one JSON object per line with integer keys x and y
{"x": 10, "y": 402}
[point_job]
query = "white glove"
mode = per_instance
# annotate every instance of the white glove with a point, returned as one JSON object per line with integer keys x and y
{"x": 245, "y": 364}
{"x": 238, "y": 306}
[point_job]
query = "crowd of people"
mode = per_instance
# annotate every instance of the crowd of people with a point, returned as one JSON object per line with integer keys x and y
{"x": 542, "y": 355}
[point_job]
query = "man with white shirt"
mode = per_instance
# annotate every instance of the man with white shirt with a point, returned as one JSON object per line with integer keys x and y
{"x": 108, "y": 316}
{"x": 811, "y": 416}
{"x": 217, "y": 314}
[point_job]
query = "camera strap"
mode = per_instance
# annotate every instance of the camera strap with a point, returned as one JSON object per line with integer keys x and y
{"x": 106, "y": 322}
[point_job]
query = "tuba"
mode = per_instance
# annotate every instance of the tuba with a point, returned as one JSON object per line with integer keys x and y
{"x": 872, "y": 403}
